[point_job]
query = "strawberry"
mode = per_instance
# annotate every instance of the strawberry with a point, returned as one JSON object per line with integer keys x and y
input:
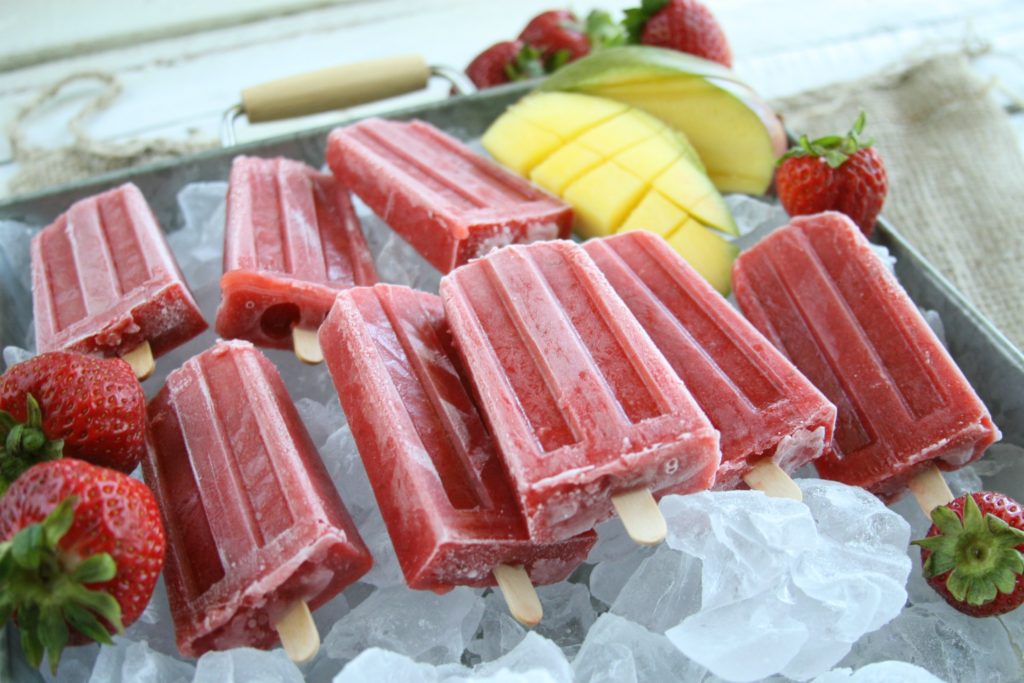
{"x": 88, "y": 408}
{"x": 683, "y": 25}
{"x": 504, "y": 62}
{"x": 81, "y": 548}
{"x": 972, "y": 553}
{"x": 558, "y": 35}
{"x": 834, "y": 173}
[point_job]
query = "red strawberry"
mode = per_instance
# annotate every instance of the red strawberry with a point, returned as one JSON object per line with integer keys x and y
{"x": 81, "y": 548}
{"x": 972, "y": 554}
{"x": 558, "y": 35}
{"x": 683, "y": 25}
{"x": 834, "y": 173}
{"x": 95, "y": 406}
{"x": 510, "y": 60}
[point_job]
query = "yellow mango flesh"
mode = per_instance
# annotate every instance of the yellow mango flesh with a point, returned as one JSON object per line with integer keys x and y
{"x": 519, "y": 144}
{"x": 709, "y": 253}
{"x": 603, "y": 198}
{"x": 620, "y": 169}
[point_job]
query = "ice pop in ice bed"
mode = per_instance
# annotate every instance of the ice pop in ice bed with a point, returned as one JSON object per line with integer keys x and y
{"x": 449, "y": 510}
{"x": 292, "y": 241}
{"x": 104, "y": 281}
{"x": 819, "y": 293}
{"x": 448, "y": 202}
{"x": 768, "y": 414}
{"x": 257, "y": 534}
{"x": 586, "y": 412}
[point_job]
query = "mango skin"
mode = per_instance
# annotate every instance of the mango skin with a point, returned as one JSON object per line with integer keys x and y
{"x": 734, "y": 131}
{"x": 621, "y": 169}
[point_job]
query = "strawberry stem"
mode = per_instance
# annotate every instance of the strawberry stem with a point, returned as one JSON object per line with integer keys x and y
{"x": 23, "y": 444}
{"x": 834, "y": 149}
{"x": 45, "y": 590}
{"x": 979, "y": 553}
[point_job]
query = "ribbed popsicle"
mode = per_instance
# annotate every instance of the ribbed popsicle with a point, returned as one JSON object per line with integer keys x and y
{"x": 817, "y": 291}
{"x": 292, "y": 241}
{"x": 583, "y": 406}
{"x": 104, "y": 280}
{"x": 432, "y": 464}
{"x": 765, "y": 410}
{"x": 448, "y": 202}
{"x": 255, "y": 527}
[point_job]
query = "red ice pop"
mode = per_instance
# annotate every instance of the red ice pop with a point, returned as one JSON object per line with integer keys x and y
{"x": 448, "y": 202}
{"x": 765, "y": 410}
{"x": 256, "y": 531}
{"x": 433, "y": 467}
{"x": 104, "y": 281}
{"x": 819, "y": 293}
{"x": 582, "y": 405}
{"x": 292, "y": 241}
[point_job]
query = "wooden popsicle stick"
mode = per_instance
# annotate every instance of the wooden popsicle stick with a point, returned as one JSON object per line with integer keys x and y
{"x": 141, "y": 360}
{"x": 298, "y": 633}
{"x": 307, "y": 345}
{"x": 930, "y": 489}
{"x": 520, "y": 595}
{"x": 641, "y": 516}
{"x": 770, "y": 479}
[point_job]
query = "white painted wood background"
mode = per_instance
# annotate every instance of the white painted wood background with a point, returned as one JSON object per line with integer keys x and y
{"x": 182, "y": 62}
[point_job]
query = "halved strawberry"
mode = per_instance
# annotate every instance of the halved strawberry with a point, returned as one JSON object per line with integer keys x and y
{"x": 81, "y": 548}
{"x": 972, "y": 555}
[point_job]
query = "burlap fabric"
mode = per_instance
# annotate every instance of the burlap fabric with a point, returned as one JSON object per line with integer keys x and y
{"x": 955, "y": 168}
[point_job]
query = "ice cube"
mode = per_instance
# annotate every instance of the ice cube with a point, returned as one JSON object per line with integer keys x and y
{"x": 951, "y": 645}
{"x": 608, "y": 578}
{"x": 154, "y": 625}
{"x": 567, "y": 614}
{"x": 880, "y": 672}
{"x": 75, "y": 664}
{"x": 617, "y": 650}
{"x": 535, "y": 658}
{"x": 128, "y": 661}
{"x": 786, "y": 587}
{"x": 246, "y": 665}
{"x": 498, "y": 632}
{"x": 376, "y": 665}
{"x": 664, "y": 590}
{"x": 425, "y": 626}
{"x": 755, "y": 217}
{"x": 15, "y": 354}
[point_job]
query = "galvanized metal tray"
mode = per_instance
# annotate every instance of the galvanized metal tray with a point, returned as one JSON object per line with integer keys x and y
{"x": 992, "y": 364}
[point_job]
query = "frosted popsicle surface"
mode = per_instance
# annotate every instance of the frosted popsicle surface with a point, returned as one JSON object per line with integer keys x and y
{"x": 104, "y": 280}
{"x": 448, "y": 202}
{"x": 434, "y": 469}
{"x": 819, "y": 293}
{"x": 292, "y": 240}
{"x": 762, "y": 406}
{"x": 253, "y": 521}
{"x": 580, "y": 401}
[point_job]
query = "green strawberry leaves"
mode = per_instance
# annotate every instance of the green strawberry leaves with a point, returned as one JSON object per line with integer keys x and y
{"x": 603, "y": 31}
{"x": 23, "y": 444}
{"x": 834, "y": 149}
{"x": 636, "y": 18}
{"x": 979, "y": 552}
{"x": 527, "y": 64}
{"x": 45, "y": 589}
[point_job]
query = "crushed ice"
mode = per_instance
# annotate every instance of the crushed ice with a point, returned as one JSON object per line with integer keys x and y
{"x": 746, "y": 586}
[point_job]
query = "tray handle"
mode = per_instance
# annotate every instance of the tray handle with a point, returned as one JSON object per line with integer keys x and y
{"x": 335, "y": 87}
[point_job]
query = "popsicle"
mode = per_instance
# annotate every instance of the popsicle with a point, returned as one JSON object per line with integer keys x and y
{"x": 771, "y": 419}
{"x": 819, "y": 293}
{"x": 448, "y": 508}
{"x": 292, "y": 241}
{"x": 448, "y": 202}
{"x": 587, "y": 413}
{"x": 105, "y": 282}
{"x": 257, "y": 535}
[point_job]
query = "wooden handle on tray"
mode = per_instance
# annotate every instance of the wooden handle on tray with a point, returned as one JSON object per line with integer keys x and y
{"x": 335, "y": 87}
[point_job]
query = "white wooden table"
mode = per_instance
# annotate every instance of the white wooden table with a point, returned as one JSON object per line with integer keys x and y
{"x": 183, "y": 62}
